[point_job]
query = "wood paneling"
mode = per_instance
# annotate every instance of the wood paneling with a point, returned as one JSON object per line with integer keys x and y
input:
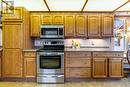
{"x": 12, "y": 35}
{"x": 116, "y": 67}
{"x": 94, "y": 25}
{"x": 12, "y": 63}
{"x": 69, "y": 25}
{"x": 99, "y": 67}
{"x": 107, "y": 25}
{"x": 35, "y": 25}
{"x": 81, "y": 25}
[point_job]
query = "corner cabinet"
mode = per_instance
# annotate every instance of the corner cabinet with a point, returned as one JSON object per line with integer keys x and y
{"x": 94, "y": 25}
{"x": 12, "y": 63}
{"x": 69, "y": 25}
{"x": 29, "y": 64}
{"x": 35, "y": 25}
{"x": 107, "y": 25}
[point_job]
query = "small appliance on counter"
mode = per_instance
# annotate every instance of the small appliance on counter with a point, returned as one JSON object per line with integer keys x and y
{"x": 50, "y": 56}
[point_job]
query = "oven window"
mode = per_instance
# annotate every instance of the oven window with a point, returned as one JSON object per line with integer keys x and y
{"x": 49, "y": 31}
{"x": 50, "y": 62}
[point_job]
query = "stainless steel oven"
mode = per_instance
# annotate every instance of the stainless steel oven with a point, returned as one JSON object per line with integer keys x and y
{"x": 52, "y": 31}
{"x": 50, "y": 61}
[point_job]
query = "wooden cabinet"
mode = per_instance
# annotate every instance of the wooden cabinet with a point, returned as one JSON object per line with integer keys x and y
{"x": 94, "y": 25}
{"x": 107, "y": 64}
{"x": 16, "y": 16}
{"x": 52, "y": 19}
{"x": 35, "y": 25}
{"x": 29, "y": 64}
{"x": 116, "y": 67}
{"x": 69, "y": 25}
{"x": 12, "y": 63}
{"x": 99, "y": 67}
{"x": 78, "y": 64}
{"x": 0, "y": 63}
{"x": 46, "y": 19}
{"x": 78, "y": 72}
{"x": 107, "y": 25}
{"x": 12, "y": 35}
{"x": 81, "y": 25}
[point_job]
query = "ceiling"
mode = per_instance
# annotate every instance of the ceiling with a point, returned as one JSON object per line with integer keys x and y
{"x": 73, "y": 5}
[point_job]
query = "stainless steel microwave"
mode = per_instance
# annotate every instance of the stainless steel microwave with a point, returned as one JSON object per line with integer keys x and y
{"x": 52, "y": 31}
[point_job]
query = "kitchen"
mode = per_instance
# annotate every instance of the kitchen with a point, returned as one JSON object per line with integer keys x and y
{"x": 72, "y": 42}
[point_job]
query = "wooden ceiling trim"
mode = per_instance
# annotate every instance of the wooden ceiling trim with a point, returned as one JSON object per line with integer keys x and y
{"x": 121, "y": 5}
{"x": 47, "y": 5}
{"x": 84, "y": 5}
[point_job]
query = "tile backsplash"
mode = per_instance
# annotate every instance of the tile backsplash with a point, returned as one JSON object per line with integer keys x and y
{"x": 107, "y": 42}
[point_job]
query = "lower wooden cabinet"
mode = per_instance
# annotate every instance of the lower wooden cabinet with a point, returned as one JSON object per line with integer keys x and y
{"x": 0, "y": 62}
{"x": 78, "y": 72}
{"x": 29, "y": 64}
{"x": 12, "y": 63}
{"x": 99, "y": 67}
{"x": 116, "y": 67}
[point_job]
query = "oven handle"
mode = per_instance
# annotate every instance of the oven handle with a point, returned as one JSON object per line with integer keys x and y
{"x": 53, "y": 53}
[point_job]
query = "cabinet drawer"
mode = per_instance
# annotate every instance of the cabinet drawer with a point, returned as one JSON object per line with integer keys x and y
{"x": 77, "y": 54}
{"x": 29, "y": 54}
{"x": 78, "y": 72}
{"x": 78, "y": 62}
{"x": 104, "y": 54}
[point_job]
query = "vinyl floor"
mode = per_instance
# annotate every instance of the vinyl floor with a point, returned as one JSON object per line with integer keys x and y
{"x": 125, "y": 82}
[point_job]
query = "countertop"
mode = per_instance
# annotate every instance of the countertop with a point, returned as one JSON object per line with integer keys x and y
{"x": 30, "y": 50}
{"x": 94, "y": 49}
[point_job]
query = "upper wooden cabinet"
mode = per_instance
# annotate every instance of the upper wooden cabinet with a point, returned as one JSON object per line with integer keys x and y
{"x": 94, "y": 26}
{"x": 81, "y": 25}
{"x": 69, "y": 25}
{"x": 52, "y": 19}
{"x": 46, "y": 19}
{"x": 16, "y": 16}
{"x": 107, "y": 25}
{"x": 116, "y": 67}
{"x": 35, "y": 25}
{"x": 12, "y": 63}
{"x": 12, "y": 35}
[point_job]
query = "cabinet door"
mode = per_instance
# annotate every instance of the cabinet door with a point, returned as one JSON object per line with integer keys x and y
{"x": 35, "y": 25}
{"x": 81, "y": 29}
{"x": 15, "y": 16}
{"x": 99, "y": 67}
{"x": 116, "y": 67}
{"x": 107, "y": 25}
{"x": 69, "y": 25}
{"x": 12, "y": 35}
{"x": 29, "y": 67}
{"x": 57, "y": 19}
{"x": 46, "y": 19}
{"x": 12, "y": 63}
{"x": 94, "y": 25}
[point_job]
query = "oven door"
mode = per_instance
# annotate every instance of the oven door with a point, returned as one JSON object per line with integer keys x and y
{"x": 50, "y": 63}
